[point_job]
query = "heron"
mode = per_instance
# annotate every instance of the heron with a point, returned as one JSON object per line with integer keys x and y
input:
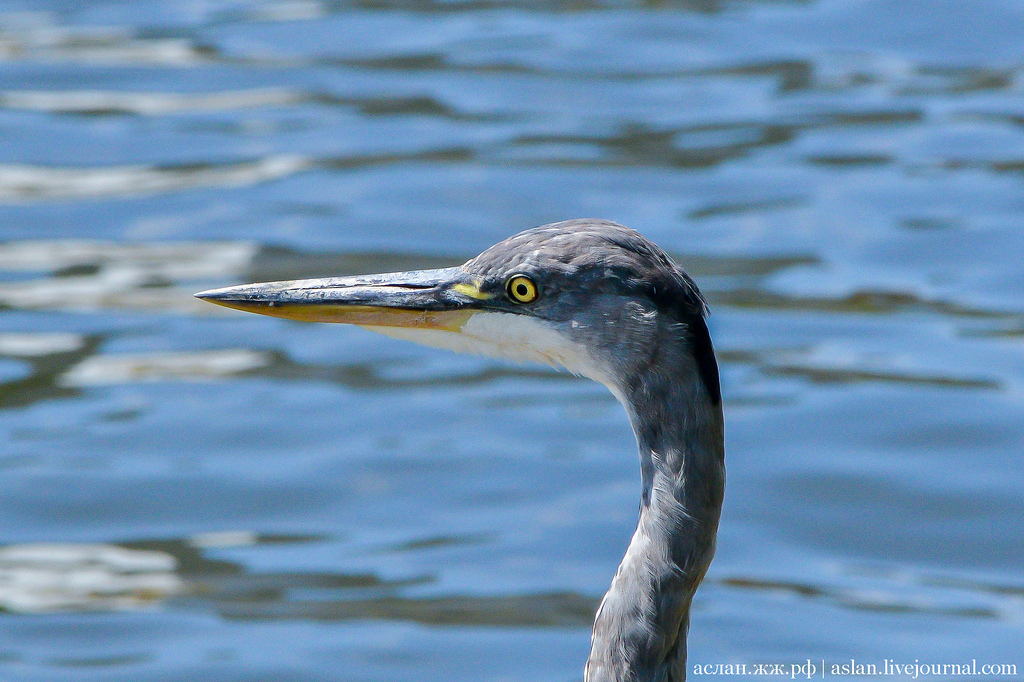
{"x": 602, "y": 301}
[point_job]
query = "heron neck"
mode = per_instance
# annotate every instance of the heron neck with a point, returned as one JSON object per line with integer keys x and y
{"x": 640, "y": 629}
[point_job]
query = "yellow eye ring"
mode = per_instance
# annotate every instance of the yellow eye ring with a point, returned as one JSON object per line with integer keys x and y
{"x": 521, "y": 289}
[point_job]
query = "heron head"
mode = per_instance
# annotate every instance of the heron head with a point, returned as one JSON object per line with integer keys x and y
{"x": 592, "y": 296}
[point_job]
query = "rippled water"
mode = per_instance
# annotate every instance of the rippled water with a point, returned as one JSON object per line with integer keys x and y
{"x": 192, "y": 493}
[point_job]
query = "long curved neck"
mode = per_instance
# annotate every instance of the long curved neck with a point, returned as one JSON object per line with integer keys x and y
{"x": 640, "y": 628}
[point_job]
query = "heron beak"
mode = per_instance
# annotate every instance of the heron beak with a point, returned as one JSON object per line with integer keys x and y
{"x": 441, "y": 300}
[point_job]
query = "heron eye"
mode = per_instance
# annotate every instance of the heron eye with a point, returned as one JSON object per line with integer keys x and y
{"x": 521, "y": 289}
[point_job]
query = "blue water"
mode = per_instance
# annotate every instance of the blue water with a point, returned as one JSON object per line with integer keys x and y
{"x": 190, "y": 493}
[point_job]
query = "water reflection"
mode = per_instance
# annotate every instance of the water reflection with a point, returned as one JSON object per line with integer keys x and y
{"x": 36, "y": 344}
{"x": 180, "y": 573}
{"x": 98, "y": 275}
{"x": 836, "y": 375}
{"x": 31, "y": 36}
{"x": 112, "y": 103}
{"x": 235, "y": 592}
{"x": 865, "y": 588}
{"x": 876, "y": 301}
{"x": 37, "y": 183}
{"x": 106, "y": 370}
{"x": 48, "y": 362}
{"x": 39, "y": 578}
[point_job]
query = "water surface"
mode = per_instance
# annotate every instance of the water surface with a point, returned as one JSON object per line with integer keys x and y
{"x": 193, "y": 493}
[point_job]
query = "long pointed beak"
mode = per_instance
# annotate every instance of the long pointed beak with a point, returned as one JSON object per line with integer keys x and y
{"x": 425, "y": 299}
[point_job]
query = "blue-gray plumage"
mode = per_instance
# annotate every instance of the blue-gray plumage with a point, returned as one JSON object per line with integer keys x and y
{"x": 605, "y": 302}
